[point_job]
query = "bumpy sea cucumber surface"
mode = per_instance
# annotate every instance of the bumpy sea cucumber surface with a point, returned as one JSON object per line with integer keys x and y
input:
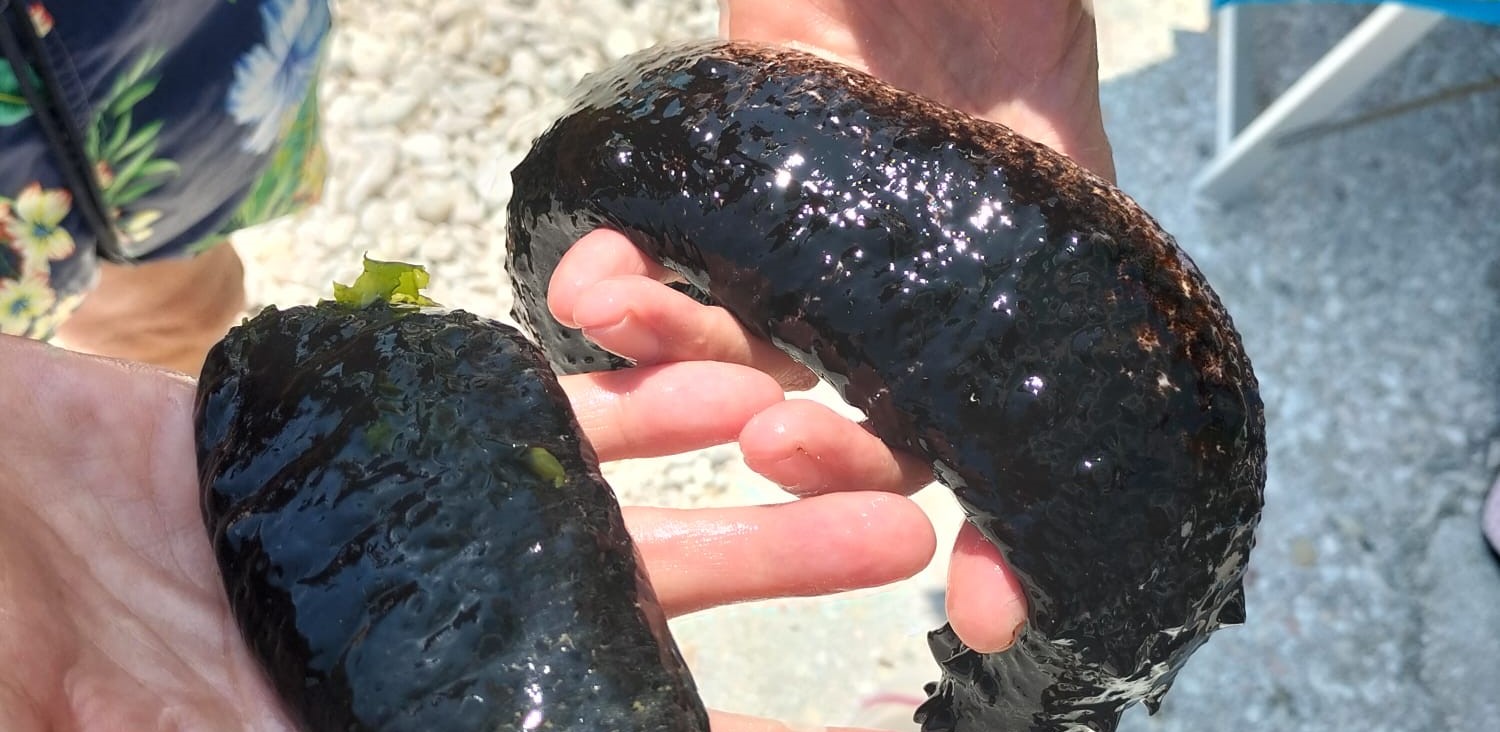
{"x": 990, "y": 305}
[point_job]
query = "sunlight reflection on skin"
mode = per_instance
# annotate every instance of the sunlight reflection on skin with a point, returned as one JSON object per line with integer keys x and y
{"x": 698, "y": 533}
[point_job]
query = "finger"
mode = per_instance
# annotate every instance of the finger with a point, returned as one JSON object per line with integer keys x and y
{"x": 809, "y": 449}
{"x": 728, "y": 722}
{"x": 701, "y": 558}
{"x": 637, "y": 317}
{"x": 663, "y": 410}
{"x": 599, "y": 255}
{"x": 985, "y": 603}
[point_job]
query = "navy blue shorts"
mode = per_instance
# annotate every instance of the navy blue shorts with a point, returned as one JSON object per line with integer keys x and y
{"x": 133, "y": 130}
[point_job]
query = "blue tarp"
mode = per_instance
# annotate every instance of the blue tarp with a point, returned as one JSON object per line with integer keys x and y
{"x": 1487, "y": 11}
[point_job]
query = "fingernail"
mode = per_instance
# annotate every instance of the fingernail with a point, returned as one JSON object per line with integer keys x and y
{"x": 798, "y": 473}
{"x": 626, "y": 338}
{"x": 1015, "y": 635}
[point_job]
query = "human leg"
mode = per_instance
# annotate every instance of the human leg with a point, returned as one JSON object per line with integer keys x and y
{"x": 167, "y": 312}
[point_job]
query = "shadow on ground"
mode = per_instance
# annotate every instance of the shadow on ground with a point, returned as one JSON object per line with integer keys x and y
{"x": 1364, "y": 273}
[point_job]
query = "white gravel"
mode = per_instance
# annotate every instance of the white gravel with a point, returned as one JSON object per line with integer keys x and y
{"x": 427, "y": 107}
{"x": 428, "y": 104}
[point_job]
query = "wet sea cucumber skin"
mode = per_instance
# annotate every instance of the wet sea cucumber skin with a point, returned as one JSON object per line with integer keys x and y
{"x": 395, "y": 557}
{"x": 990, "y": 305}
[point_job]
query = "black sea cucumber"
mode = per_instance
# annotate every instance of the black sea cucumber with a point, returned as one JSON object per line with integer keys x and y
{"x": 415, "y": 538}
{"x": 990, "y": 305}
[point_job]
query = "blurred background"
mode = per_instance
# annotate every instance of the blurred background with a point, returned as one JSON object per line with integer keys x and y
{"x": 1363, "y": 269}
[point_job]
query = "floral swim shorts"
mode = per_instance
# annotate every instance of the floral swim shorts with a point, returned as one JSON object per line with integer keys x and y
{"x": 134, "y": 130}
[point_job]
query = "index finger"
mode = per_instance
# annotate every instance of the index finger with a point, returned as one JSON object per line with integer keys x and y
{"x": 598, "y": 256}
{"x": 649, "y": 411}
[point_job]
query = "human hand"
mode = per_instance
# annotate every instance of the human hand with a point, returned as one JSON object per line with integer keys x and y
{"x": 113, "y": 613}
{"x": 1040, "y": 78}
{"x": 1032, "y": 65}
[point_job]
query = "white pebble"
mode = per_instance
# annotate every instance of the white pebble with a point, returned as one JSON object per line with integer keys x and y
{"x": 620, "y": 42}
{"x": 516, "y": 101}
{"x": 433, "y": 203}
{"x": 375, "y": 169}
{"x": 403, "y": 213}
{"x": 455, "y": 124}
{"x": 524, "y": 65}
{"x": 425, "y": 147}
{"x": 370, "y": 55}
{"x": 492, "y": 183}
{"x": 406, "y": 22}
{"x": 392, "y": 109}
{"x": 467, "y": 209}
{"x": 341, "y": 110}
{"x": 375, "y": 218}
{"x": 455, "y": 41}
{"x": 339, "y": 231}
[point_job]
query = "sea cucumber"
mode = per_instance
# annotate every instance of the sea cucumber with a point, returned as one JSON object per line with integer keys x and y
{"x": 414, "y": 536}
{"x": 988, "y": 304}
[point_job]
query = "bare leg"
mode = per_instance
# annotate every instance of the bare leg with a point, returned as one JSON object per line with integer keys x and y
{"x": 167, "y": 313}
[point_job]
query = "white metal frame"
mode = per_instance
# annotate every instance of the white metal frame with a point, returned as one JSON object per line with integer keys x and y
{"x": 1246, "y": 149}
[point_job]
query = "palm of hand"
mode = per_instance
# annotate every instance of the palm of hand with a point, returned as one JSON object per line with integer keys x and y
{"x": 113, "y": 614}
{"x": 1029, "y": 64}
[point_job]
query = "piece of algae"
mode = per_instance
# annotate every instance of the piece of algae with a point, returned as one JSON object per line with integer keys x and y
{"x": 546, "y": 466}
{"x": 396, "y": 283}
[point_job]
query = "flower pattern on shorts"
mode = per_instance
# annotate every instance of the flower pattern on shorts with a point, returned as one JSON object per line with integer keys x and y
{"x": 197, "y": 118}
{"x": 34, "y": 224}
{"x": 31, "y": 239}
{"x": 23, "y": 300}
{"x": 272, "y": 79}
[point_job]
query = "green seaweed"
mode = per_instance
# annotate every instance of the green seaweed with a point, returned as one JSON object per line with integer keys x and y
{"x": 546, "y": 466}
{"x": 395, "y": 283}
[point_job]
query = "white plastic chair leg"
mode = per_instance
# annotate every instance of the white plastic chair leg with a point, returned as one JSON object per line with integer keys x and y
{"x": 1381, "y": 39}
{"x": 1236, "y": 98}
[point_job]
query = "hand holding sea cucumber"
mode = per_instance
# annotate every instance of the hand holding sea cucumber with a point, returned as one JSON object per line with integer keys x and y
{"x": 1040, "y": 78}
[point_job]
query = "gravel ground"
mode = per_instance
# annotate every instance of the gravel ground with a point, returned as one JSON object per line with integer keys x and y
{"x": 1373, "y": 606}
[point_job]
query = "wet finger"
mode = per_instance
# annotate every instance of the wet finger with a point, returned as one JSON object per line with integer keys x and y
{"x": 599, "y": 255}
{"x": 985, "y": 603}
{"x": 701, "y": 558}
{"x": 647, "y": 322}
{"x": 808, "y": 449}
{"x": 663, "y": 410}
